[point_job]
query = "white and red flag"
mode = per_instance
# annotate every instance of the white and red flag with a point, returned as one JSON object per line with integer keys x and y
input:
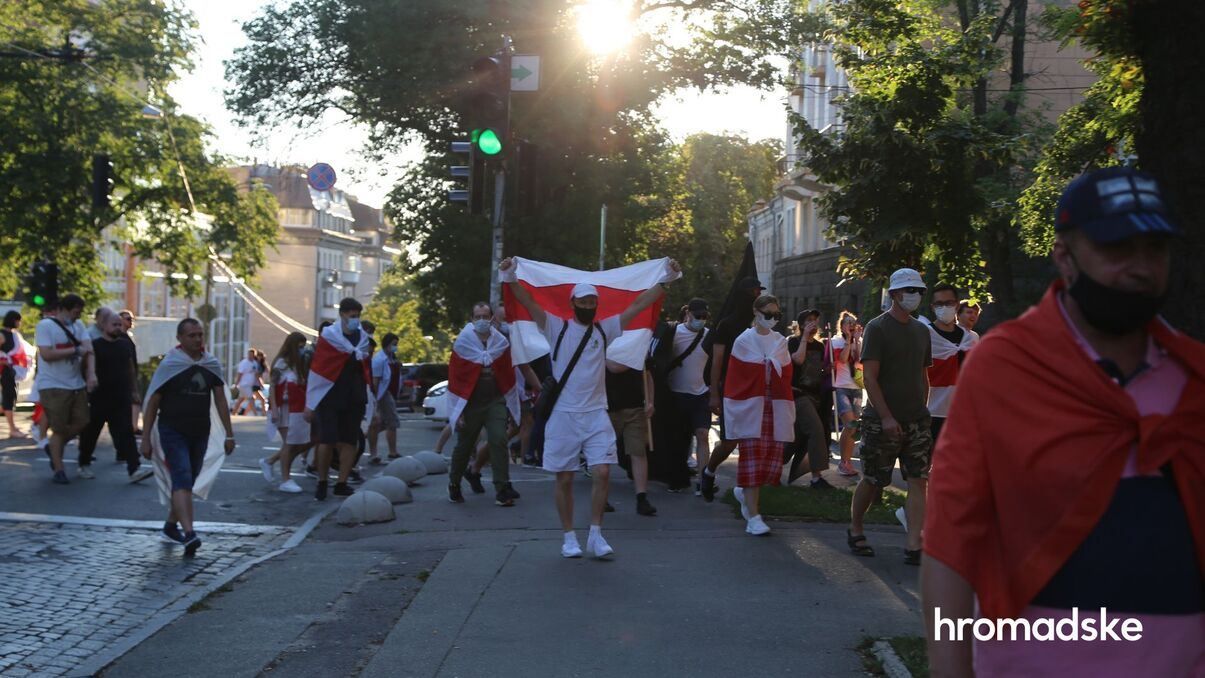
{"x": 754, "y": 362}
{"x": 943, "y": 373}
{"x": 19, "y": 357}
{"x": 550, "y": 286}
{"x": 469, "y": 357}
{"x": 330, "y": 355}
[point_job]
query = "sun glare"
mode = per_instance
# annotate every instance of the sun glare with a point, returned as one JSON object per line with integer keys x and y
{"x": 605, "y": 26}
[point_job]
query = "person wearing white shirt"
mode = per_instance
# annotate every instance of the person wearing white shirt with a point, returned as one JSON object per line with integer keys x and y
{"x": 66, "y": 374}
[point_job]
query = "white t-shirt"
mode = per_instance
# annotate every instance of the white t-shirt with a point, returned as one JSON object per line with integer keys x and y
{"x": 842, "y": 377}
{"x": 247, "y": 373}
{"x": 60, "y": 373}
{"x": 586, "y": 390}
{"x": 688, "y": 377}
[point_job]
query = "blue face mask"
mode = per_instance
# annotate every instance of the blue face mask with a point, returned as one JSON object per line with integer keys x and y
{"x": 695, "y": 324}
{"x": 481, "y": 326}
{"x": 353, "y": 324}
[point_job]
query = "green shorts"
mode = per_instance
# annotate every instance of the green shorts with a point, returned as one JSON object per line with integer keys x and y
{"x": 913, "y": 449}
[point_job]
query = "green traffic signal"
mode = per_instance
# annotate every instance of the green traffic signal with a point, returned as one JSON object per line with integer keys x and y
{"x": 39, "y": 300}
{"x": 487, "y": 141}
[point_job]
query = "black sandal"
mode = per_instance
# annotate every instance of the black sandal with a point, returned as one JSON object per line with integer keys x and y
{"x": 858, "y": 545}
{"x": 912, "y": 557}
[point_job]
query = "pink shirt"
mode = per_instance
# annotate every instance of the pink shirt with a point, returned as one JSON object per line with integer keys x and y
{"x": 1171, "y": 645}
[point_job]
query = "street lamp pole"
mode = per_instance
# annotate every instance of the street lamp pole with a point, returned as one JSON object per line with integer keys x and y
{"x": 602, "y": 237}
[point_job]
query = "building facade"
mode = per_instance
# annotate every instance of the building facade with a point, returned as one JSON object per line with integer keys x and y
{"x": 330, "y": 246}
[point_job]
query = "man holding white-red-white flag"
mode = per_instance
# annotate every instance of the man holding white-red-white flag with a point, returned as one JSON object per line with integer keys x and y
{"x": 482, "y": 391}
{"x": 586, "y": 318}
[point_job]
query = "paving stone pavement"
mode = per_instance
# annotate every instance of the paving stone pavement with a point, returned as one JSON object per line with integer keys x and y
{"x": 71, "y": 593}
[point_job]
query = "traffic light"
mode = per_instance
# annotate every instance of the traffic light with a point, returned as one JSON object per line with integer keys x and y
{"x": 42, "y": 284}
{"x": 488, "y": 105}
{"x": 102, "y": 181}
{"x": 474, "y": 176}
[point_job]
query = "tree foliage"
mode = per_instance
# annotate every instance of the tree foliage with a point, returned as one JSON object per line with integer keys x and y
{"x": 58, "y": 112}
{"x": 395, "y": 308}
{"x": 928, "y": 159}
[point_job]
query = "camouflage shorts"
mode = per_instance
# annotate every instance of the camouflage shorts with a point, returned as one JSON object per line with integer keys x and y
{"x": 914, "y": 449}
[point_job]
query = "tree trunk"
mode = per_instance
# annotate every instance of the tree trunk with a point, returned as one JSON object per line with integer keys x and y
{"x": 1171, "y": 143}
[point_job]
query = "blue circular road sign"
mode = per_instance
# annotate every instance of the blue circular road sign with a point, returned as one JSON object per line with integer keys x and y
{"x": 321, "y": 177}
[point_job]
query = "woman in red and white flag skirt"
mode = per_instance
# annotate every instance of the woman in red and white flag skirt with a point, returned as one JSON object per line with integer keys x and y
{"x": 759, "y": 409}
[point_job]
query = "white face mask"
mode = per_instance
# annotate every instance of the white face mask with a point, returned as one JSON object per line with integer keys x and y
{"x": 695, "y": 324}
{"x": 764, "y": 322}
{"x": 945, "y": 314}
{"x": 910, "y": 301}
{"x": 481, "y": 326}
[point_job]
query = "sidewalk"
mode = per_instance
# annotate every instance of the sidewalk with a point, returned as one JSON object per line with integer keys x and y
{"x": 473, "y": 589}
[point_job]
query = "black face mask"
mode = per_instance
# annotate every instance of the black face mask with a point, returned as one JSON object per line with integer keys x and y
{"x": 584, "y": 316}
{"x": 1113, "y": 311}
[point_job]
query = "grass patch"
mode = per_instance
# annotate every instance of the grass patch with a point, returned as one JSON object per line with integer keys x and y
{"x": 910, "y": 650}
{"x": 827, "y": 506}
{"x": 423, "y": 575}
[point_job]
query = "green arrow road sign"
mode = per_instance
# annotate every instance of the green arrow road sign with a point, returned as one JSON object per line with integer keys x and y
{"x": 524, "y": 73}
{"x": 520, "y": 74}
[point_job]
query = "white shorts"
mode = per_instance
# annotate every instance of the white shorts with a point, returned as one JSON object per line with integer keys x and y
{"x": 568, "y": 434}
{"x": 299, "y": 429}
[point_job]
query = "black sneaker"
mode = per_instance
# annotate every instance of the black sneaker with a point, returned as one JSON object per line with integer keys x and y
{"x": 354, "y": 477}
{"x": 342, "y": 490}
{"x": 173, "y": 534}
{"x": 503, "y": 499}
{"x": 320, "y": 493}
{"x": 609, "y": 508}
{"x": 510, "y": 489}
{"x": 455, "y": 495}
{"x": 531, "y": 462}
{"x": 643, "y": 507}
{"x": 60, "y": 478}
{"x": 821, "y": 484}
{"x": 474, "y": 481}
{"x": 707, "y": 486}
{"x": 191, "y": 543}
{"x": 311, "y": 472}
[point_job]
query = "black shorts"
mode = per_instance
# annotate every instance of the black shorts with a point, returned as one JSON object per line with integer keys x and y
{"x": 8, "y": 384}
{"x": 334, "y": 426}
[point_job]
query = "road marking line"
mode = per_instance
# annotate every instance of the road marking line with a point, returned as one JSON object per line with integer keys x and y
{"x": 221, "y": 528}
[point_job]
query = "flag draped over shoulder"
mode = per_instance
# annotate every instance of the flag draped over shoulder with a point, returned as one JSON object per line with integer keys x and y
{"x": 175, "y": 362}
{"x": 19, "y": 357}
{"x": 469, "y": 357}
{"x": 550, "y": 286}
{"x": 330, "y": 355}
{"x": 943, "y": 373}
{"x": 749, "y": 370}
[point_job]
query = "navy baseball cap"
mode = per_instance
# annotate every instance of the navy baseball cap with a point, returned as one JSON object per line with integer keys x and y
{"x": 1113, "y": 204}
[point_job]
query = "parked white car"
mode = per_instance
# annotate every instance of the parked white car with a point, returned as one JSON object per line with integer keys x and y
{"x": 435, "y": 405}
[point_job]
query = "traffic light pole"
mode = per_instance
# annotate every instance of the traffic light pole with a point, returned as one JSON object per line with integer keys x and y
{"x": 496, "y": 241}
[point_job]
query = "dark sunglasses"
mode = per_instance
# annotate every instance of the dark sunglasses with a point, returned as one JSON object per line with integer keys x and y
{"x": 772, "y": 316}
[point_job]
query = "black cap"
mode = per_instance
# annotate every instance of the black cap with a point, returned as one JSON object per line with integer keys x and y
{"x": 802, "y": 317}
{"x": 696, "y": 305}
{"x": 1113, "y": 204}
{"x": 749, "y": 283}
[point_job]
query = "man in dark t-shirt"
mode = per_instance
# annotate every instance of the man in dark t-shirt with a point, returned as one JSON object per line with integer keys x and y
{"x": 116, "y": 374}
{"x": 717, "y": 344}
{"x": 629, "y": 412}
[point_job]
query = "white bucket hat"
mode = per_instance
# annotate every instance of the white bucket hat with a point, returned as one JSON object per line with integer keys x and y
{"x": 905, "y": 277}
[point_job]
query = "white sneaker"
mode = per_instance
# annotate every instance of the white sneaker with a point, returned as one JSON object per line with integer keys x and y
{"x": 266, "y": 469}
{"x": 290, "y": 486}
{"x": 86, "y": 473}
{"x": 739, "y": 493}
{"x": 598, "y": 546}
{"x": 757, "y": 527}
{"x": 140, "y": 475}
{"x": 691, "y": 462}
{"x": 43, "y": 443}
{"x": 571, "y": 548}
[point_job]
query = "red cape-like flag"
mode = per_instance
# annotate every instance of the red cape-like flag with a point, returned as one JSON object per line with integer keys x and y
{"x": 330, "y": 355}
{"x": 469, "y": 356}
{"x": 550, "y": 286}
{"x": 749, "y": 368}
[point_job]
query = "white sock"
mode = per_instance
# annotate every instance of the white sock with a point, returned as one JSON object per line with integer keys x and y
{"x": 596, "y": 530}
{"x": 570, "y": 536}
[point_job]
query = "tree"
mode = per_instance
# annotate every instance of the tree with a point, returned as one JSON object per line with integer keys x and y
{"x": 598, "y": 143}
{"x": 929, "y": 158}
{"x": 70, "y": 87}
{"x": 395, "y": 308}
{"x": 1148, "y": 63}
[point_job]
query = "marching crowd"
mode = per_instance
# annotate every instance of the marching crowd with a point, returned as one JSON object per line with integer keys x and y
{"x": 1046, "y": 465}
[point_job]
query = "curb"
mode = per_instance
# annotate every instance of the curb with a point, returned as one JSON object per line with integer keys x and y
{"x": 171, "y": 613}
{"x": 892, "y": 666}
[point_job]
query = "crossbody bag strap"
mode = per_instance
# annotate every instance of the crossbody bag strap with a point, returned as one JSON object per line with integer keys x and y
{"x": 573, "y": 361}
{"x": 677, "y": 362}
{"x": 70, "y": 337}
{"x": 557, "y": 351}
